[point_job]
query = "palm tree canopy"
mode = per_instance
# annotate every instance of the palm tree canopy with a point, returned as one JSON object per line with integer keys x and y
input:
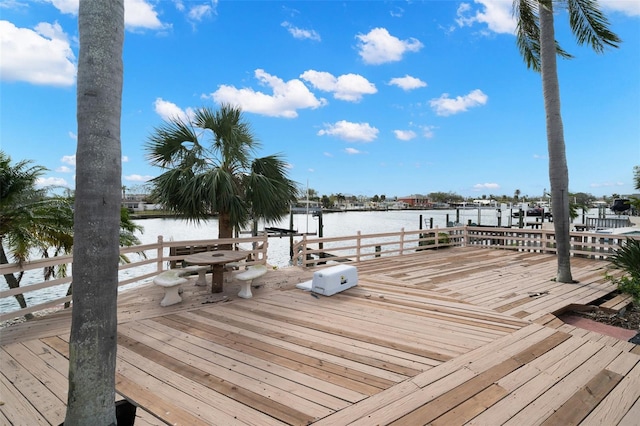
{"x": 29, "y": 219}
{"x": 210, "y": 168}
{"x": 586, "y": 20}
{"x": 537, "y": 44}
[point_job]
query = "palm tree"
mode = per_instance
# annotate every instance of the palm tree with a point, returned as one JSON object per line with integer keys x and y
{"x": 537, "y": 44}
{"x": 220, "y": 177}
{"x": 33, "y": 224}
{"x": 93, "y": 338}
{"x": 635, "y": 201}
{"x": 30, "y": 221}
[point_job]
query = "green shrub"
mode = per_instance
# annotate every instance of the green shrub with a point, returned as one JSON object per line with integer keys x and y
{"x": 443, "y": 238}
{"x": 627, "y": 258}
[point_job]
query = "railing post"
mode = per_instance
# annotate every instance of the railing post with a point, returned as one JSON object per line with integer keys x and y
{"x": 358, "y": 244}
{"x": 437, "y": 241}
{"x": 304, "y": 251}
{"x": 265, "y": 247}
{"x": 465, "y": 236}
{"x": 401, "y": 241}
{"x": 160, "y": 253}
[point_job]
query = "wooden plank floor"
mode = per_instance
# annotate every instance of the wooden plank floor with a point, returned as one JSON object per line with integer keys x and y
{"x": 457, "y": 336}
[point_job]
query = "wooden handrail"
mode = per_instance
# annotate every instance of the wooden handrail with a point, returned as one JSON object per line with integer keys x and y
{"x": 155, "y": 261}
{"x": 313, "y": 251}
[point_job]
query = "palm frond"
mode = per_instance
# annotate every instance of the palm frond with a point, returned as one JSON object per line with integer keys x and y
{"x": 528, "y": 33}
{"x": 590, "y": 25}
{"x": 269, "y": 189}
{"x": 172, "y": 143}
{"x": 627, "y": 257}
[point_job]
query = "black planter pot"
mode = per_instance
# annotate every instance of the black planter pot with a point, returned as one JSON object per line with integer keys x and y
{"x": 125, "y": 413}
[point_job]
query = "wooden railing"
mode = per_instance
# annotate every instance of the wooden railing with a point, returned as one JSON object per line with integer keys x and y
{"x": 608, "y": 222}
{"x": 309, "y": 252}
{"x": 140, "y": 269}
{"x": 359, "y": 247}
{"x": 583, "y": 244}
{"x": 314, "y": 251}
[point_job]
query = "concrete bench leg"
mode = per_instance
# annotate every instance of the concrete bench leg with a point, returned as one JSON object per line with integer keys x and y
{"x": 201, "y": 270}
{"x": 202, "y": 277}
{"x": 245, "y": 290}
{"x": 247, "y": 278}
{"x": 171, "y": 296}
{"x": 170, "y": 281}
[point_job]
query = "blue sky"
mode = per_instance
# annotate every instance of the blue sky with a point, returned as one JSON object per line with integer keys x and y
{"x": 360, "y": 97}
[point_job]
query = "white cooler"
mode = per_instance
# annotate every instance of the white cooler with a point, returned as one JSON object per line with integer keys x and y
{"x": 332, "y": 280}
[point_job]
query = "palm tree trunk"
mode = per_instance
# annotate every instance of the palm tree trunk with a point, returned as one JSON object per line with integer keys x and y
{"x": 225, "y": 229}
{"x": 12, "y": 281}
{"x": 93, "y": 339}
{"x": 558, "y": 172}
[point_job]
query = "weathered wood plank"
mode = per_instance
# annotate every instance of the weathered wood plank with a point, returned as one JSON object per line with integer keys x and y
{"x": 430, "y": 411}
{"x": 219, "y": 385}
{"x": 621, "y": 403}
{"x": 231, "y": 374}
{"x": 26, "y": 380}
{"x": 525, "y": 390}
{"x": 345, "y": 351}
{"x": 471, "y": 407}
{"x": 316, "y": 367}
{"x": 578, "y": 406}
{"x": 561, "y": 389}
{"x": 320, "y": 391}
{"x": 20, "y": 411}
{"x": 420, "y": 330}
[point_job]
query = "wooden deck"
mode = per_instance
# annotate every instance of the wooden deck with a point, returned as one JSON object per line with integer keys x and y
{"x": 456, "y": 336}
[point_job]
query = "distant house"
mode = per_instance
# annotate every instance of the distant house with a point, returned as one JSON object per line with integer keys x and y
{"x": 413, "y": 201}
{"x": 137, "y": 203}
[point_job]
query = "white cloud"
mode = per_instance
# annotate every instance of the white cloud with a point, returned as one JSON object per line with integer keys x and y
{"x": 64, "y": 169}
{"x": 378, "y": 46}
{"x": 327, "y": 154}
{"x": 169, "y": 111}
{"x": 407, "y": 82}
{"x": 352, "y": 151}
{"x": 73, "y": 136}
{"x": 125, "y": 159}
{"x": 627, "y": 7}
{"x": 347, "y": 87}
{"x": 405, "y": 135}
{"x": 66, "y": 6}
{"x": 300, "y": 33}
{"x": 137, "y": 13}
{"x": 497, "y": 15}
{"x": 481, "y": 186}
{"x": 140, "y": 14}
{"x": 138, "y": 178}
{"x": 352, "y": 132}
{"x": 427, "y": 131}
{"x": 201, "y": 11}
{"x": 51, "y": 181}
{"x": 41, "y": 56}
{"x": 179, "y": 5}
{"x": 446, "y": 106}
{"x": 286, "y": 99}
{"x": 397, "y": 12}
{"x": 69, "y": 159}
{"x": 606, "y": 184}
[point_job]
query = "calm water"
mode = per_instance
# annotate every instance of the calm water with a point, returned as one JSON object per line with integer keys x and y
{"x": 335, "y": 225}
